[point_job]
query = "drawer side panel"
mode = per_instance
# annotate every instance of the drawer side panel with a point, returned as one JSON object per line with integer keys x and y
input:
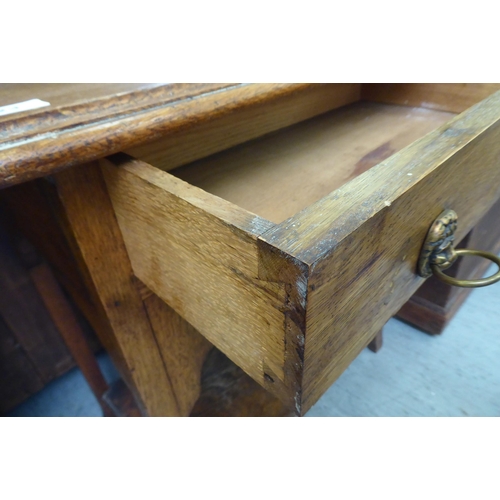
{"x": 199, "y": 254}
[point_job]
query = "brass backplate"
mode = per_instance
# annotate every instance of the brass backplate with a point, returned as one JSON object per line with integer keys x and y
{"x": 437, "y": 249}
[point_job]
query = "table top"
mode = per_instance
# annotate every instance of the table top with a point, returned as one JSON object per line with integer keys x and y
{"x": 84, "y": 122}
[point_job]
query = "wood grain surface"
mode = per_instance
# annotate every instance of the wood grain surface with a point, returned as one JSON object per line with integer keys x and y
{"x": 291, "y": 303}
{"x": 126, "y": 331}
{"x": 80, "y": 105}
{"x": 282, "y": 110}
{"x": 87, "y": 133}
{"x": 454, "y": 97}
{"x": 280, "y": 174}
{"x": 61, "y": 95}
{"x": 361, "y": 243}
{"x": 340, "y": 268}
{"x": 183, "y": 349}
{"x": 199, "y": 254}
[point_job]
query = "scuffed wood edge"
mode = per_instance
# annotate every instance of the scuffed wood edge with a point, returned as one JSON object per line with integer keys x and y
{"x": 315, "y": 232}
{"x": 49, "y": 152}
{"x": 276, "y": 266}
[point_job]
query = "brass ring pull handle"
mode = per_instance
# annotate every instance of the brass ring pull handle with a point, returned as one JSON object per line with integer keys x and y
{"x": 438, "y": 253}
{"x": 470, "y": 283}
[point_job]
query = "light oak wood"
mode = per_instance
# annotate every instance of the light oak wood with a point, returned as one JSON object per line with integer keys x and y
{"x": 361, "y": 243}
{"x": 294, "y": 303}
{"x": 126, "y": 330}
{"x": 291, "y": 300}
{"x": 210, "y": 136}
{"x": 454, "y": 97}
{"x": 199, "y": 254}
{"x": 183, "y": 349}
{"x": 285, "y": 172}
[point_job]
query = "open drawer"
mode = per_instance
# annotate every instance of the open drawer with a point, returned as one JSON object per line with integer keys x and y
{"x": 289, "y": 252}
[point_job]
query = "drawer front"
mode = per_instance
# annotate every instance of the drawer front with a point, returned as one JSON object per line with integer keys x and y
{"x": 294, "y": 303}
{"x": 360, "y": 245}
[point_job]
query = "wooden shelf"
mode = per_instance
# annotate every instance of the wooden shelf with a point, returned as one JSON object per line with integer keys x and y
{"x": 278, "y": 175}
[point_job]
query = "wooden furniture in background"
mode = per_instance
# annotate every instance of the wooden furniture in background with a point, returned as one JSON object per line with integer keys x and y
{"x": 42, "y": 334}
{"x": 434, "y": 304}
{"x": 294, "y": 250}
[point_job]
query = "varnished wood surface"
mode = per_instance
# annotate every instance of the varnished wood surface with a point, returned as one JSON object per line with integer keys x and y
{"x": 39, "y": 144}
{"x": 98, "y": 109}
{"x": 63, "y": 95}
{"x": 454, "y": 97}
{"x": 279, "y": 175}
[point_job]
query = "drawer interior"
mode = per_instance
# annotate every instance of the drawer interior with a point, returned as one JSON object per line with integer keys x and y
{"x": 281, "y": 303}
{"x": 278, "y": 175}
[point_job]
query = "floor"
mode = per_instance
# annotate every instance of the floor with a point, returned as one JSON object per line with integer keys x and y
{"x": 414, "y": 374}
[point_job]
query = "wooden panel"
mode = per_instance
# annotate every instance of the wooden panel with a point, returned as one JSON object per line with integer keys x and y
{"x": 361, "y": 243}
{"x": 126, "y": 331}
{"x": 199, "y": 254}
{"x": 283, "y": 173}
{"x": 63, "y": 94}
{"x": 208, "y": 137}
{"x": 68, "y": 143}
{"x": 454, "y": 97}
{"x": 183, "y": 349}
{"x": 85, "y": 105}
